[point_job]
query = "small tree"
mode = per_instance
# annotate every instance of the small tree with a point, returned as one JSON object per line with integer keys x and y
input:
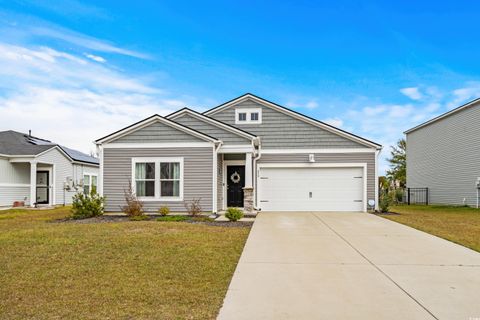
{"x": 134, "y": 207}
{"x": 234, "y": 214}
{"x": 193, "y": 207}
{"x": 398, "y": 164}
{"x": 87, "y": 205}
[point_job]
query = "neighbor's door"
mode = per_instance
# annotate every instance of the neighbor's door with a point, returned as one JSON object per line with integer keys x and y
{"x": 42, "y": 187}
{"x": 235, "y": 184}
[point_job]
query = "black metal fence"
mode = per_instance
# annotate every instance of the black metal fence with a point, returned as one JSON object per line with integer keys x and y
{"x": 416, "y": 196}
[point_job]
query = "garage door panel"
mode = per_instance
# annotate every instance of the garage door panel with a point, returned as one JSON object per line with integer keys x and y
{"x": 311, "y": 189}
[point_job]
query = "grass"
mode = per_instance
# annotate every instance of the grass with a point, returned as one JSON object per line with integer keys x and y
{"x": 457, "y": 224}
{"x": 124, "y": 270}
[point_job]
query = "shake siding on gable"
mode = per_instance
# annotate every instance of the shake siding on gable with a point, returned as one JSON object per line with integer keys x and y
{"x": 445, "y": 157}
{"x": 281, "y": 131}
{"x": 157, "y": 132}
{"x": 226, "y": 136}
{"x": 368, "y": 158}
{"x": 198, "y": 166}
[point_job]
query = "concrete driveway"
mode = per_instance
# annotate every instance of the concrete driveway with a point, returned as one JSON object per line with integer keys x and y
{"x": 304, "y": 265}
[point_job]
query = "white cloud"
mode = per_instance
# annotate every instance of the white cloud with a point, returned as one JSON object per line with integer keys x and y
{"x": 70, "y": 100}
{"x": 412, "y": 92}
{"x": 311, "y": 104}
{"x": 95, "y": 58}
{"x": 336, "y": 122}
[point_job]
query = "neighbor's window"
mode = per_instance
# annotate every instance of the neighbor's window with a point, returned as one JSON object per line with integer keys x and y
{"x": 145, "y": 179}
{"x": 254, "y": 116}
{"x": 169, "y": 179}
{"x": 89, "y": 183}
{"x": 159, "y": 178}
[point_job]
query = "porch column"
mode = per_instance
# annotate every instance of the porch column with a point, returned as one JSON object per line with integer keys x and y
{"x": 33, "y": 183}
{"x": 248, "y": 170}
{"x": 248, "y": 189}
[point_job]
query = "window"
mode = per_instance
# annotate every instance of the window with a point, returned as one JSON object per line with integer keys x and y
{"x": 89, "y": 183}
{"x": 248, "y": 116}
{"x": 242, "y": 116}
{"x": 158, "y": 178}
{"x": 145, "y": 179}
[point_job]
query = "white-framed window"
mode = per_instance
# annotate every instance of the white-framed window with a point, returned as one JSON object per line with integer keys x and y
{"x": 248, "y": 116}
{"x": 89, "y": 183}
{"x": 158, "y": 178}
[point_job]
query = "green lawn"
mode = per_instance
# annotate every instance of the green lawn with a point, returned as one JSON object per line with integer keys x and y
{"x": 457, "y": 224}
{"x": 121, "y": 270}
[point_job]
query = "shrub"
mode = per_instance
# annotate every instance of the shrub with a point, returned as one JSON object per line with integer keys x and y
{"x": 193, "y": 207}
{"x": 399, "y": 195}
{"x": 164, "y": 211}
{"x": 134, "y": 207}
{"x": 234, "y": 214}
{"x": 87, "y": 205}
{"x": 385, "y": 202}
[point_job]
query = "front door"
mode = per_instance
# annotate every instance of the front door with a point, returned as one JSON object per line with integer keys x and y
{"x": 235, "y": 184}
{"x": 42, "y": 187}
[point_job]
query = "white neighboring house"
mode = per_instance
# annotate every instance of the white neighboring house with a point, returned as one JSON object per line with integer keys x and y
{"x": 34, "y": 168}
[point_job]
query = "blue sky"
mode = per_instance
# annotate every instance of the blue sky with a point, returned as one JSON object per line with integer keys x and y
{"x": 73, "y": 71}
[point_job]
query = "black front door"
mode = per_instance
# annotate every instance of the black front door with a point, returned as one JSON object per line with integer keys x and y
{"x": 42, "y": 187}
{"x": 235, "y": 184}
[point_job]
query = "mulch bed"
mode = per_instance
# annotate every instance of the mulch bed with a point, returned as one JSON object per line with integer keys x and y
{"x": 193, "y": 220}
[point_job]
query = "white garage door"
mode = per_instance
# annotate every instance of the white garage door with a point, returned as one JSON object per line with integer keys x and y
{"x": 311, "y": 189}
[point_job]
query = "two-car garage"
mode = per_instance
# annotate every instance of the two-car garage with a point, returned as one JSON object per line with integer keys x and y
{"x": 306, "y": 187}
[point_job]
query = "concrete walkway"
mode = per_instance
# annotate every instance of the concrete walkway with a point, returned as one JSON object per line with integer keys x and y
{"x": 303, "y": 265}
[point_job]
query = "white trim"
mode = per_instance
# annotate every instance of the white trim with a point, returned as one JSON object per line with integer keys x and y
{"x": 157, "y": 161}
{"x": 333, "y": 150}
{"x": 248, "y": 112}
{"x": 157, "y": 145}
{"x": 320, "y": 165}
{"x": 227, "y": 163}
{"x": 33, "y": 183}
{"x": 295, "y": 115}
{"x": 239, "y": 148}
{"x": 446, "y": 114}
{"x": 100, "y": 171}
{"x": 146, "y": 122}
{"x": 6, "y": 184}
{"x": 54, "y": 188}
{"x": 377, "y": 154}
{"x": 90, "y": 175}
{"x": 212, "y": 122}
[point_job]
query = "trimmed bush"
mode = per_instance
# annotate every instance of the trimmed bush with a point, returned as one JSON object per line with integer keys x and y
{"x": 163, "y": 211}
{"x": 87, "y": 205}
{"x": 385, "y": 202}
{"x": 234, "y": 214}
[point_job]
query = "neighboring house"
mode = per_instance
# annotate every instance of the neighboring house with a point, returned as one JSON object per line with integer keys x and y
{"x": 248, "y": 152}
{"x": 443, "y": 155}
{"x": 34, "y": 168}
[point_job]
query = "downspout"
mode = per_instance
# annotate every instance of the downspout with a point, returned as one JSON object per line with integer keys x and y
{"x": 257, "y": 157}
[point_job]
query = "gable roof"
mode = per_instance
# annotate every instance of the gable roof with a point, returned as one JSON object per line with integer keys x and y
{"x": 13, "y": 143}
{"x": 444, "y": 115}
{"x": 212, "y": 121}
{"x": 296, "y": 115}
{"x": 150, "y": 120}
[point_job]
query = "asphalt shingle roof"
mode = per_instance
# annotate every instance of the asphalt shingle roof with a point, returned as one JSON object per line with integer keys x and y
{"x": 21, "y": 144}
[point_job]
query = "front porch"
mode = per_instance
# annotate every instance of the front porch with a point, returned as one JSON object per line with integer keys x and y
{"x": 236, "y": 181}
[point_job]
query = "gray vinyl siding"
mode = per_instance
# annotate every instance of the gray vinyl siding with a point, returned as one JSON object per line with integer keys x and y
{"x": 279, "y": 130}
{"x": 368, "y": 158}
{"x": 228, "y": 137}
{"x": 445, "y": 157}
{"x": 157, "y": 132}
{"x": 10, "y": 194}
{"x": 220, "y": 182}
{"x": 198, "y": 183}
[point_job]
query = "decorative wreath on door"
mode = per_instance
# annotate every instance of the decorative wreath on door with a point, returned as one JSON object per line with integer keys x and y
{"x": 235, "y": 177}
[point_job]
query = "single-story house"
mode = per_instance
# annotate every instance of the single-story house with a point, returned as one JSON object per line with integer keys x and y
{"x": 38, "y": 169}
{"x": 247, "y": 152}
{"x": 443, "y": 155}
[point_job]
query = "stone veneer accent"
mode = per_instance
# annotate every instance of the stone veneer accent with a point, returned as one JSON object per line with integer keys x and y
{"x": 248, "y": 201}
